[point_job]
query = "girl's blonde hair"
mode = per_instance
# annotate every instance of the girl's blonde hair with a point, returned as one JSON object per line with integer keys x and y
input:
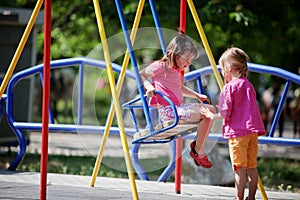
{"x": 179, "y": 45}
{"x": 236, "y": 59}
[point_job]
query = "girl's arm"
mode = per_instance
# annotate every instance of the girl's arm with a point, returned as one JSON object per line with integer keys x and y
{"x": 192, "y": 94}
{"x": 147, "y": 74}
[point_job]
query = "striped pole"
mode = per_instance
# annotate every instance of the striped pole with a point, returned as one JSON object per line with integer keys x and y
{"x": 119, "y": 87}
{"x": 115, "y": 98}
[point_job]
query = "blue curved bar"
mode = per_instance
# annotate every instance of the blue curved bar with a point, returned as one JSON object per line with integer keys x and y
{"x": 258, "y": 68}
{"x": 155, "y": 132}
{"x": 18, "y": 126}
{"x": 136, "y": 162}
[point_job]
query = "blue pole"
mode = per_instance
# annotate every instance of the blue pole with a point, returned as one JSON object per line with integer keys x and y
{"x": 80, "y": 94}
{"x": 279, "y": 108}
{"x": 134, "y": 65}
{"x": 158, "y": 26}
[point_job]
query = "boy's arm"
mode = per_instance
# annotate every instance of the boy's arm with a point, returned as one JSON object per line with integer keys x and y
{"x": 205, "y": 111}
{"x": 217, "y": 116}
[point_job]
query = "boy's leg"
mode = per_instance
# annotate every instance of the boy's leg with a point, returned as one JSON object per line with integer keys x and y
{"x": 252, "y": 164}
{"x": 253, "y": 180}
{"x": 240, "y": 183}
{"x": 238, "y": 156}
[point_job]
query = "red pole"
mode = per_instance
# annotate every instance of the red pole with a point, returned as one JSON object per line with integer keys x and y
{"x": 182, "y": 20}
{"x": 178, "y": 163}
{"x": 46, "y": 100}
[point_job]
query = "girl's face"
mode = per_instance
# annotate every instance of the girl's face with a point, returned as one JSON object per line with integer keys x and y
{"x": 184, "y": 60}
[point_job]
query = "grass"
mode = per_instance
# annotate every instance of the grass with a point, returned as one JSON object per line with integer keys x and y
{"x": 276, "y": 174}
{"x": 280, "y": 174}
{"x": 83, "y": 165}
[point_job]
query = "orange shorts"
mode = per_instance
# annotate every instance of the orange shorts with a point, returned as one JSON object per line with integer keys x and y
{"x": 243, "y": 151}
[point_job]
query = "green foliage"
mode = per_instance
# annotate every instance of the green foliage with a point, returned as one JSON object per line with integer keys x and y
{"x": 267, "y": 30}
{"x": 282, "y": 174}
{"x": 74, "y": 29}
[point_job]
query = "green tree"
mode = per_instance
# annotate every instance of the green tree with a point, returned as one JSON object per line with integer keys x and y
{"x": 267, "y": 30}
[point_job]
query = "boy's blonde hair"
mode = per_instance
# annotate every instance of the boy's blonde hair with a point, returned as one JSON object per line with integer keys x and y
{"x": 178, "y": 46}
{"x": 236, "y": 59}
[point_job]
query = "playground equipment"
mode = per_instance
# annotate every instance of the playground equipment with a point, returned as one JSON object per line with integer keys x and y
{"x": 197, "y": 75}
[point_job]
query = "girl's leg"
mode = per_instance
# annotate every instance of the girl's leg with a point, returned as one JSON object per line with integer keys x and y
{"x": 203, "y": 127}
{"x": 202, "y": 133}
{"x": 240, "y": 183}
{"x": 253, "y": 180}
{"x": 197, "y": 147}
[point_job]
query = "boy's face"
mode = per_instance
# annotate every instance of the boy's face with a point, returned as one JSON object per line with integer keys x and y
{"x": 226, "y": 71}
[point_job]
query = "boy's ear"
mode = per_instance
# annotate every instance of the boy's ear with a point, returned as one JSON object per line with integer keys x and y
{"x": 226, "y": 67}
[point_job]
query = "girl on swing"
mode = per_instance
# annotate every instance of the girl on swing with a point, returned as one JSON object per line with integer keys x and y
{"x": 165, "y": 77}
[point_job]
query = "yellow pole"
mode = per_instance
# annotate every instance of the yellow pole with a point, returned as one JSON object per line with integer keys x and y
{"x": 21, "y": 46}
{"x": 216, "y": 72}
{"x": 119, "y": 87}
{"x": 116, "y": 103}
{"x": 205, "y": 43}
{"x": 261, "y": 189}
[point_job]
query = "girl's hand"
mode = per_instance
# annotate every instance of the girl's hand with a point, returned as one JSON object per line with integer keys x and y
{"x": 202, "y": 98}
{"x": 150, "y": 93}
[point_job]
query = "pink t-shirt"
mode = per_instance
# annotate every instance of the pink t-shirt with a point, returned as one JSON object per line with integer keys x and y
{"x": 167, "y": 81}
{"x": 238, "y": 107}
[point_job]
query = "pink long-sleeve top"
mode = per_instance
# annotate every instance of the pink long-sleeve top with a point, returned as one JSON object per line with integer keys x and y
{"x": 167, "y": 81}
{"x": 238, "y": 107}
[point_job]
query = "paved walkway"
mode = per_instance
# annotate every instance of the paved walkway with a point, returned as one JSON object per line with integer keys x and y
{"x": 25, "y": 186}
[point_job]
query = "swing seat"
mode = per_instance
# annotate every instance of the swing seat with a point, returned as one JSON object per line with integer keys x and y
{"x": 181, "y": 129}
{"x": 162, "y": 132}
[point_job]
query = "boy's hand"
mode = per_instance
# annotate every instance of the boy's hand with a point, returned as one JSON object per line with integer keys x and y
{"x": 205, "y": 111}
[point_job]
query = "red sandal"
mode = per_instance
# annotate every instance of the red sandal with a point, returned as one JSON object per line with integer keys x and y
{"x": 199, "y": 161}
